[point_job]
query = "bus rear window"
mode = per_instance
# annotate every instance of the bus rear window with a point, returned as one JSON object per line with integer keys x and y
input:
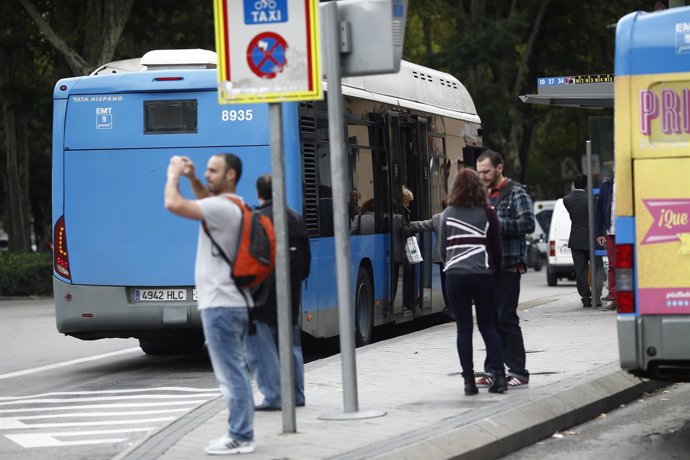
{"x": 170, "y": 116}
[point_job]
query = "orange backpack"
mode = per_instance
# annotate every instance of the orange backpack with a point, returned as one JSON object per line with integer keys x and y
{"x": 256, "y": 248}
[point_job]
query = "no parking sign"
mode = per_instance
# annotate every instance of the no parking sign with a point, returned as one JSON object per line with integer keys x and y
{"x": 267, "y": 50}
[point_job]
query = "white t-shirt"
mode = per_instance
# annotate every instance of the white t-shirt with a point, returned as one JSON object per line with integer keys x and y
{"x": 215, "y": 287}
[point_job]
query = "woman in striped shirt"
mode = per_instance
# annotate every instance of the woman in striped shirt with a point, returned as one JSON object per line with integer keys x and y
{"x": 471, "y": 252}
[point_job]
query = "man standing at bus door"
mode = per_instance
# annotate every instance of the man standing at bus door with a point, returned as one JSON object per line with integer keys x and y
{"x": 223, "y": 307}
{"x": 515, "y": 213}
{"x": 605, "y": 229}
{"x": 578, "y": 242}
{"x": 262, "y": 347}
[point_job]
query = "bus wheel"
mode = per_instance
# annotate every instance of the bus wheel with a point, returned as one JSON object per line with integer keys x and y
{"x": 364, "y": 308}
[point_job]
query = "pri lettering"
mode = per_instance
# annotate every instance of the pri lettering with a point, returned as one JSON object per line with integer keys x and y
{"x": 674, "y": 111}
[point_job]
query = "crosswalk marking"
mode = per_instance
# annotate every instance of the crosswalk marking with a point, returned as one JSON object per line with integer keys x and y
{"x": 104, "y": 406}
{"x": 107, "y": 398}
{"x": 96, "y": 392}
{"x": 103, "y": 414}
{"x": 60, "y": 419}
{"x": 50, "y": 440}
{"x": 8, "y": 423}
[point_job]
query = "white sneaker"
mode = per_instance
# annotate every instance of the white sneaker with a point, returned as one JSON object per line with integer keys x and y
{"x": 226, "y": 446}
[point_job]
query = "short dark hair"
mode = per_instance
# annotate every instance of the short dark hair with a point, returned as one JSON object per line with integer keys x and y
{"x": 264, "y": 188}
{"x": 495, "y": 157}
{"x": 232, "y": 161}
{"x": 580, "y": 181}
{"x": 468, "y": 190}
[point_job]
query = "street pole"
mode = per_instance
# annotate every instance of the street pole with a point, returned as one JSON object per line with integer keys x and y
{"x": 282, "y": 270}
{"x": 330, "y": 24}
{"x": 590, "y": 218}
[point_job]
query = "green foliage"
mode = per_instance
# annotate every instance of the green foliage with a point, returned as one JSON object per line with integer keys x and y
{"x": 26, "y": 273}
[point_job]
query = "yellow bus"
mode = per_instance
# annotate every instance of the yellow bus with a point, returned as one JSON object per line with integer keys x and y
{"x": 652, "y": 193}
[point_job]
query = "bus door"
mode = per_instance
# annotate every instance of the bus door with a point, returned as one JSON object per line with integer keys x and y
{"x": 397, "y": 240}
{"x": 423, "y": 211}
{"x": 407, "y": 168}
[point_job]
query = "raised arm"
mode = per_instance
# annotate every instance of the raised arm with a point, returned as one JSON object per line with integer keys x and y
{"x": 197, "y": 187}
{"x": 174, "y": 201}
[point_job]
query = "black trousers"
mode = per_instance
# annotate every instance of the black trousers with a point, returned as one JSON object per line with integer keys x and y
{"x": 581, "y": 262}
{"x": 507, "y": 297}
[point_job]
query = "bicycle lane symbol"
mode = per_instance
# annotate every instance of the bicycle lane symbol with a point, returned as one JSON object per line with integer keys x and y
{"x": 266, "y": 54}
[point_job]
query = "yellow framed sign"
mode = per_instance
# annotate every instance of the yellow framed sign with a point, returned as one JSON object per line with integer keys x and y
{"x": 268, "y": 50}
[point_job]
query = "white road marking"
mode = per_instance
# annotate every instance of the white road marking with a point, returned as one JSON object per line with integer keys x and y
{"x": 96, "y": 392}
{"x": 49, "y": 440}
{"x": 10, "y": 423}
{"x": 68, "y": 363}
{"x": 103, "y": 414}
{"x": 103, "y": 406}
{"x": 105, "y": 398}
{"x": 66, "y": 411}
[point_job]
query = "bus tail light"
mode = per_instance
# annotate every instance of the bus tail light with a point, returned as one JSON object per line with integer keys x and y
{"x": 552, "y": 248}
{"x": 60, "y": 256}
{"x": 625, "y": 278}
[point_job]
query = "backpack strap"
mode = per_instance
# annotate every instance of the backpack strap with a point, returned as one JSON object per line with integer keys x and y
{"x": 505, "y": 191}
{"x": 224, "y": 255}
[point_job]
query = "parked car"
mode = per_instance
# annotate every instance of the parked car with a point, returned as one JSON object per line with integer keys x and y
{"x": 559, "y": 263}
{"x": 542, "y": 219}
{"x": 534, "y": 257}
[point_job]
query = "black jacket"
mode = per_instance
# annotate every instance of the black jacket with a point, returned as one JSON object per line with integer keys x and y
{"x": 576, "y": 204}
{"x": 265, "y": 302}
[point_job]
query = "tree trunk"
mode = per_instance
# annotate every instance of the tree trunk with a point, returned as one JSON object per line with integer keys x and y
{"x": 114, "y": 15}
{"x": 513, "y": 144}
{"x": 14, "y": 176}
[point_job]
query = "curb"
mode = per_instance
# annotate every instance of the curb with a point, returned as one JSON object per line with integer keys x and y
{"x": 155, "y": 444}
{"x": 515, "y": 423}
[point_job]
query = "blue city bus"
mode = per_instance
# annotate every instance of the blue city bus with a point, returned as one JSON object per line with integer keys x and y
{"x": 652, "y": 156}
{"x": 123, "y": 266}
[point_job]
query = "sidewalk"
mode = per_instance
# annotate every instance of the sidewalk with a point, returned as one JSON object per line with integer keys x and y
{"x": 572, "y": 355}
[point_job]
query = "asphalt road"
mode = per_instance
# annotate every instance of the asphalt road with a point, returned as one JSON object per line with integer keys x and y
{"x": 656, "y": 426}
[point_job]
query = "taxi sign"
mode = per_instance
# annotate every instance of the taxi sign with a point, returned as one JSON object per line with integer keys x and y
{"x": 267, "y": 51}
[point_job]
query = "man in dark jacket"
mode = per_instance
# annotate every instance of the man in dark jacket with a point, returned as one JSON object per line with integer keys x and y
{"x": 262, "y": 346}
{"x": 605, "y": 231}
{"x": 576, "y": 204}
{"x": 515, "y": 212}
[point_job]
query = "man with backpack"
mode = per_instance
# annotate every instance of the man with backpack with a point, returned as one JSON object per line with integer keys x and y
{"x": 515, "y": 213}
{"x": 262, "y": 346}
{"x": 222, "y": 304}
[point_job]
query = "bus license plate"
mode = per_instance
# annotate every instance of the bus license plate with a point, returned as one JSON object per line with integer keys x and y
{"x": 159, "y": 295}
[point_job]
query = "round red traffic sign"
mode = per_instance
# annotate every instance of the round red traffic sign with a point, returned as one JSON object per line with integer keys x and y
{"x": 266, "y": 54}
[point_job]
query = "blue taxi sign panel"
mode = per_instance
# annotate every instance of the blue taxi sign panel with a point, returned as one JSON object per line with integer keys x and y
{"x": 267, "y": 50}
{"x": 265, "y": 11}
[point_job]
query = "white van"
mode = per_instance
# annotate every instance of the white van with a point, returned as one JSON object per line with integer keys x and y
{"x": 559, "y": 263}
{"x": 543, "y": 211}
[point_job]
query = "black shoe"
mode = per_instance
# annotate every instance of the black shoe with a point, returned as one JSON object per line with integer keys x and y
{"x": 470, "y": 385}
{"x": 266, "y": 408}
{"x": 500, "y": 385}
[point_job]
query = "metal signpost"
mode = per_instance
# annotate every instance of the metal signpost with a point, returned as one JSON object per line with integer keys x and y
{"x": 349, "y": 27}
{"x": 268, "y": 52}
{"x": 595, "y": 290}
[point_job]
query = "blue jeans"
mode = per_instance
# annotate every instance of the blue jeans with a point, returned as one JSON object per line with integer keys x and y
{"x": 225, "y": 330}
{"x": 481, "y": 288}
{"x": 262, "y": 356}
